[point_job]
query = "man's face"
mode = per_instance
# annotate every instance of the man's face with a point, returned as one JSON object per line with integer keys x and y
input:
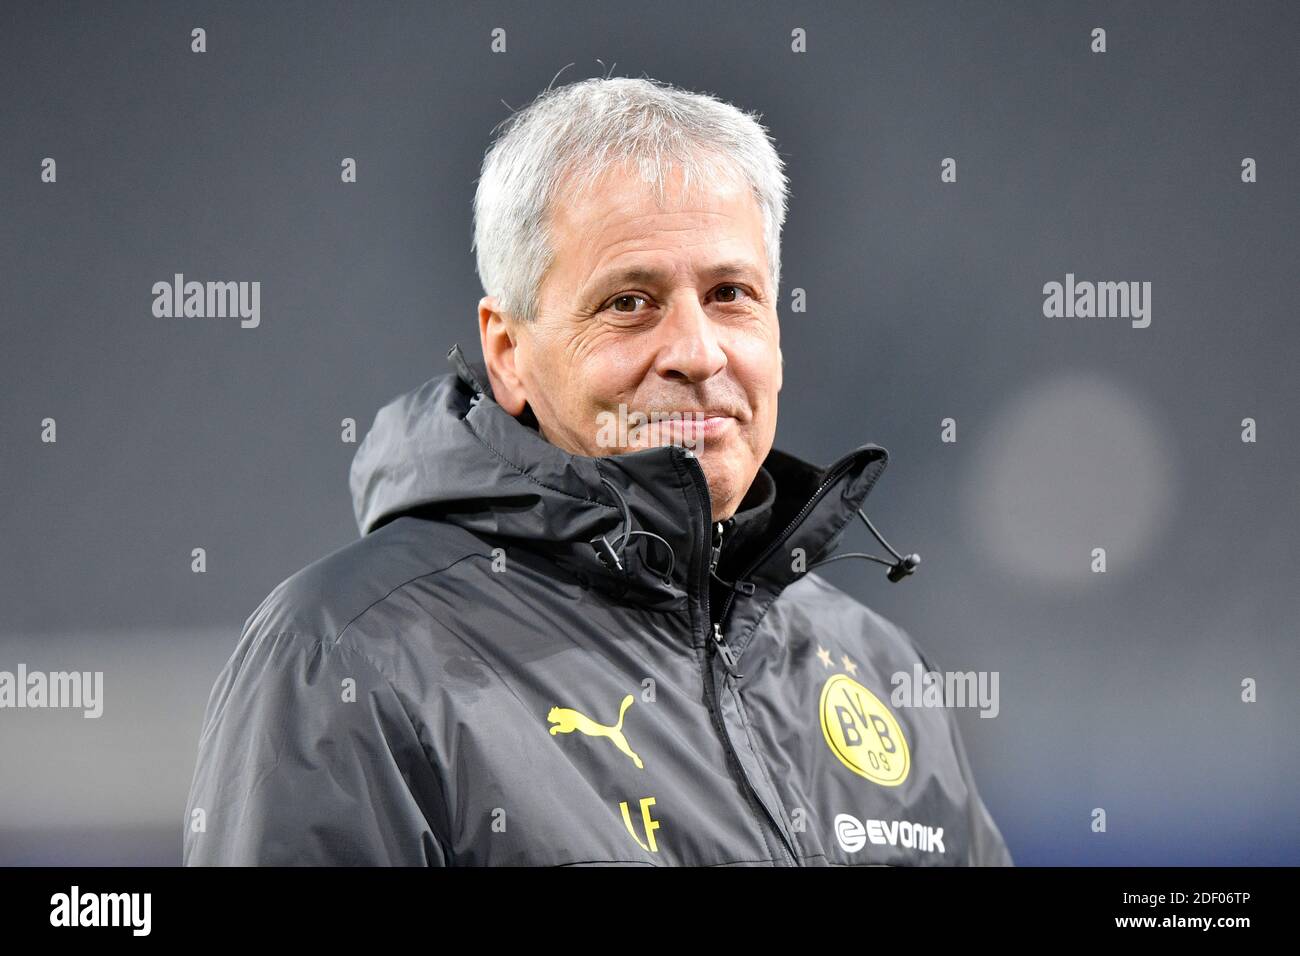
{"x": 668, "y": 312}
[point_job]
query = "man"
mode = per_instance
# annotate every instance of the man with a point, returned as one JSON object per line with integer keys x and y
{"x": 580, "y": 625}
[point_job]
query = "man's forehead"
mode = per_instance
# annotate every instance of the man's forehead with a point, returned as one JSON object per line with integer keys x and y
{"x": 602, "y": 232}
{"x": 653, "y": 275}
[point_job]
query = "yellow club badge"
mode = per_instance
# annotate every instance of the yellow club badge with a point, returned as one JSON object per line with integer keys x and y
{"x": 862, "y": 732}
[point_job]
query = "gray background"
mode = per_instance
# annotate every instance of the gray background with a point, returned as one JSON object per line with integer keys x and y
{"x": 1118, "y": 691}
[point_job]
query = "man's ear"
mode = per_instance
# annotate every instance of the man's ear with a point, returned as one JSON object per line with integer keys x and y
{"x": 498, "y": 336}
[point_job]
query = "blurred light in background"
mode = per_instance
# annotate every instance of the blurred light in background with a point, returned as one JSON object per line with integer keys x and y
{"x": 1071, "y": 464}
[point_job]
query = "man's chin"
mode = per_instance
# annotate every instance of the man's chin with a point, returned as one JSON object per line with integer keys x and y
{"x": 725, "y": 491}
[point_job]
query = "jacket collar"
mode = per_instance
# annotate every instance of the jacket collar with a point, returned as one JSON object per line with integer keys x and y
{"x": 449, "y": 450}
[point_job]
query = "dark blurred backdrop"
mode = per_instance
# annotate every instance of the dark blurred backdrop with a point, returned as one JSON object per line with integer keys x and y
{"x": 925, "y": 301}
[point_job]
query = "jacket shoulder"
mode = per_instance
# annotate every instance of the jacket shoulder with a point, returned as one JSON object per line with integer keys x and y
{"x": 324, "y": 597}
{"x": 815, "y": 600}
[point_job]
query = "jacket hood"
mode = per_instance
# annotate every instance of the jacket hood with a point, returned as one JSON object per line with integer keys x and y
{"x": 447, "y": 450}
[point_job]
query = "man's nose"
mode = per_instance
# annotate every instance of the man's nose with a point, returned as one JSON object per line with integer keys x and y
{"x": 689, "y": 347}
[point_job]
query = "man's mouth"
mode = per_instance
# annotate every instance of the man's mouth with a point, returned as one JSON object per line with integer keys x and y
{"x": 696, "y": 428}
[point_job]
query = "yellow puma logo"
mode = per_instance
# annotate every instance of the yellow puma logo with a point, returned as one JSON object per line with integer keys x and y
{"x": 567, "y": 720}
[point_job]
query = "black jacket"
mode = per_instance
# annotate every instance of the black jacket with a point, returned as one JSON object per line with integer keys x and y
{"x": 472, "y": 683}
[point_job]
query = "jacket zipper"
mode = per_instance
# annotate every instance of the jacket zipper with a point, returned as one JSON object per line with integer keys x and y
{"x": 832, "y": 476}
{"x": 712, "y": 552}
{"x": 728, "y": 658}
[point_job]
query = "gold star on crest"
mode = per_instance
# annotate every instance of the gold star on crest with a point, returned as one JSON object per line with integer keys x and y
{"x": 849, "y": 666}
{"x": 824, "y": 655}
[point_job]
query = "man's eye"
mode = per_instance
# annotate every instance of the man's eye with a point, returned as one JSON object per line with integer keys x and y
{"x": 614, "y": 303}
{"x": 722, "y": 290}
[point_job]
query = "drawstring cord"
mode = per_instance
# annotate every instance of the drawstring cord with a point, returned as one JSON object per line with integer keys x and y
{"x": 610, "y": 554}
{"x": 742, "y": 587}
{"x": 899, "y": 568}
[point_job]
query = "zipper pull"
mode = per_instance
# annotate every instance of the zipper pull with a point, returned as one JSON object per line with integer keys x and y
{"x": 717, "y": 547}
{"x": 728, "y": 658}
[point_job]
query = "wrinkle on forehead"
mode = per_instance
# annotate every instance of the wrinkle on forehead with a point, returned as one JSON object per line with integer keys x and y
{"x": 578, "y": 222}
{"x": 592, "y": 236}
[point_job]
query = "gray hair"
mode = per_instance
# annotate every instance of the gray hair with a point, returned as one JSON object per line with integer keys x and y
{"x": 570, "y": 136}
